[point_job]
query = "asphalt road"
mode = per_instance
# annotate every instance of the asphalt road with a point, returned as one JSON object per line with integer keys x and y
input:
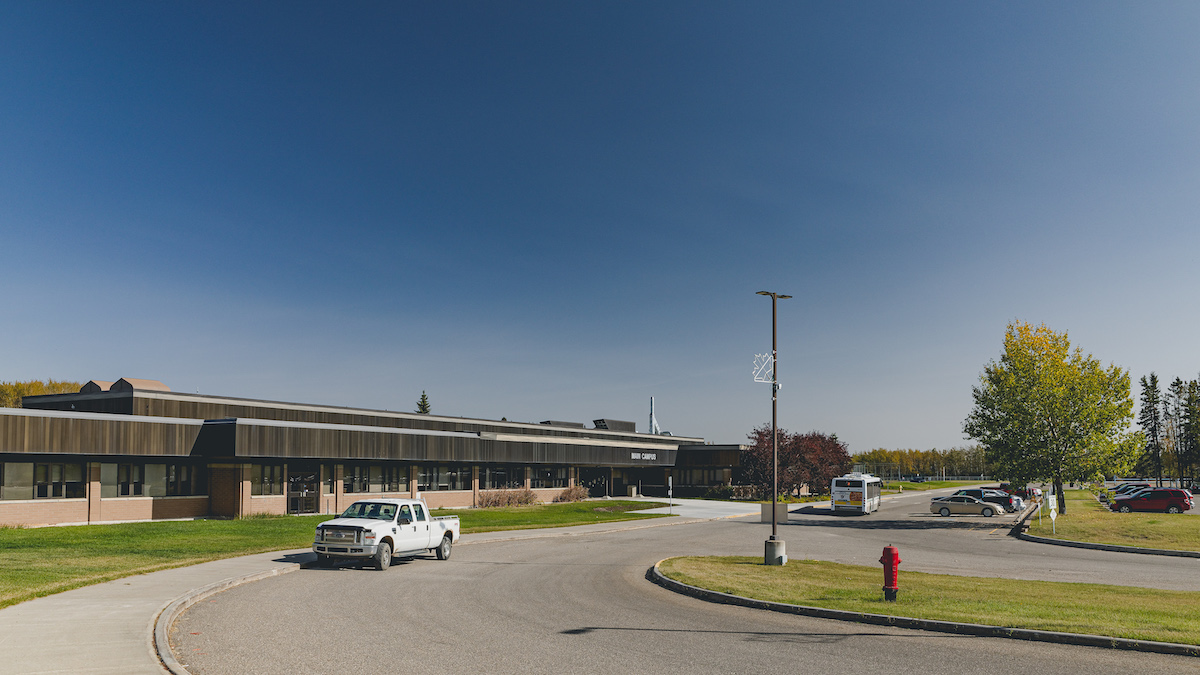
{"x": 581, "y": 604}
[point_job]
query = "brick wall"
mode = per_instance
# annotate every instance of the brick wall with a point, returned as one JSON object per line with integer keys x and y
{"x": 43, "y": 511}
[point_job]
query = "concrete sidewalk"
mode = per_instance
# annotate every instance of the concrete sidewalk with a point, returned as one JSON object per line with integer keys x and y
{"x": 108, "y": 629}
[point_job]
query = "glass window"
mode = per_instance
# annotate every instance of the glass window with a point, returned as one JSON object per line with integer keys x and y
{"x": 108, "y": 480}
{"x": 265, "y": 479}
{"x": 155, "y": 481}
{"x": 501, "y": 477}
{"x": 56, "y": 481}
{"x": 544, "y": 477}
{"x": 420, "y": 513}
{"x": 17, "y": 481}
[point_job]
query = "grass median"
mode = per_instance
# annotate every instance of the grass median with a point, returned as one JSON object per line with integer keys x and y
{"x": 35, "y": 562}
{"x": 1088, "y": 520}
{"x": 1093, "y": 609}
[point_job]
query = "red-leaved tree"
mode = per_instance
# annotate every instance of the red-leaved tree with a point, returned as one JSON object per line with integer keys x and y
{"x": 811, "y": 459}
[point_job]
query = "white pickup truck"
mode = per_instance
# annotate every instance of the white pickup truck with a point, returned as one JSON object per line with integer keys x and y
{"x": 378, "y": 529}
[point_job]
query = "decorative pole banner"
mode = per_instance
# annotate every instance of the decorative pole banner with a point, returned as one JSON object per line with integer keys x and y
{"x": 764, "y": 368}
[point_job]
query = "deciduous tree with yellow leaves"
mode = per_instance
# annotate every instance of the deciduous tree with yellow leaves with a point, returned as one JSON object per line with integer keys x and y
{"x": 1045, "y": 412}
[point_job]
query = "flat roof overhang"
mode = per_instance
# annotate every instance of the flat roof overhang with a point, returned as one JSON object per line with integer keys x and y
{"x": 83, "y": 434}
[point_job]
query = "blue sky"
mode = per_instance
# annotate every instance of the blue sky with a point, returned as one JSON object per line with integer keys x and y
{"x": 549, "y": 210}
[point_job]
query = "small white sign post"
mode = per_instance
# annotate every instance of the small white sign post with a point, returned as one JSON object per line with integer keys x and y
{"x": 1054, "y": 513}
{"x": 670, "y": 497}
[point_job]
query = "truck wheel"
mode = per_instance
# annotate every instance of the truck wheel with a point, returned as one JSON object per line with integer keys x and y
{"x": 945, "y": 512}
{"x": 383, "y": 556}
{"x": 988, "y": 513}
{"x": 1174, "y": 509}
{"x": 443, "y": 549}
{"x": 1125, "y": 508}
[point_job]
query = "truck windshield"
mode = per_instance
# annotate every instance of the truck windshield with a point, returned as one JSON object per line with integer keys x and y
{"x": 370, "y": 510}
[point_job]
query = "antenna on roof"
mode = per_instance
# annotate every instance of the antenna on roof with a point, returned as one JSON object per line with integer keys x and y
{"x": 653, "y": 422}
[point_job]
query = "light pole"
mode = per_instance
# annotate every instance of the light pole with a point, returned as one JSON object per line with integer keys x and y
{"x": 774, "y": 550}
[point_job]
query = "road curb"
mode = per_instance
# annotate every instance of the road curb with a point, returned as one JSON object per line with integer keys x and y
{"x": 1108, "y": 547}
{"x": 655, "y": 575}
{"x": 161, "y": 635}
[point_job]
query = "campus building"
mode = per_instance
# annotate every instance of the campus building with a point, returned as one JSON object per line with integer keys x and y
{"x": 135, "y": 450}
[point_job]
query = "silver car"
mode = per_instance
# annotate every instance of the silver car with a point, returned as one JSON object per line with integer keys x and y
{"x": 962, "y": 504}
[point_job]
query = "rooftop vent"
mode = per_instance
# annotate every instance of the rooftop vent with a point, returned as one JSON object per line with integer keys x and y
{"x": 95, "y": 387}
{"x": 556, "y": 423}
{"x": 615, "y": 425}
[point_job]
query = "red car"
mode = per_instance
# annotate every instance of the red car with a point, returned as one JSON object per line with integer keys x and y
{"x": 1170, "y": 500}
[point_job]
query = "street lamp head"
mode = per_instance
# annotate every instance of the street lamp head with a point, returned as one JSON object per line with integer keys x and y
{"x": 763, "y": 293}
{"x": 783, "y": 297}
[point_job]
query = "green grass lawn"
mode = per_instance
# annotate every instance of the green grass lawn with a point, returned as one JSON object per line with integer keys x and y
{"x": 893, "y": 486}
{"x": 1144, "y": 614}
{"x": 1088, "y": 520}
{"x": 549, "y": 515}
{"x": 41, "y": 561}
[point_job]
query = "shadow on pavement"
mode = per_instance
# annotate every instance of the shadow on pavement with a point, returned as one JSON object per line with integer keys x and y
{"x": 933, "y": 523}
{"x": 749, "y": 636}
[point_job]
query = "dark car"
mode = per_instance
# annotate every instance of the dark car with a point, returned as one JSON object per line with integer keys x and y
{"x": 994, "y": 496}
{"x": 1130, "y": 488}
{"x": 1169, "y": 500}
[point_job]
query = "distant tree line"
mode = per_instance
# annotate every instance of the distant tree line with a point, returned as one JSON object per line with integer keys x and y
{"x": 811, "y": 459}
{"x": 1170, "y": 422}
{"x": 965, "y": 461}
{"x": 11, "y": 392}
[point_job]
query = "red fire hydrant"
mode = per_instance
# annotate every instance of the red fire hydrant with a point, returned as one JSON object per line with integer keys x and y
{"x": 891, "y": 570}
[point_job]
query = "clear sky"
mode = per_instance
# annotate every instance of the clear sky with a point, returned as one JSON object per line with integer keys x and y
{"x": 556, "y": 210}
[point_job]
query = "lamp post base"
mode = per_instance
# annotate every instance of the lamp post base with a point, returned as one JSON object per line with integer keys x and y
{"x": 775, "y": 552}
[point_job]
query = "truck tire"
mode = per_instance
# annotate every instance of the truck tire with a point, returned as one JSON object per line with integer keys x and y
{"x": 945, "y": 512}
{"x": 987, "y": 513}
{"x": 383, "y": 556}
{"x": 443, "y": 549}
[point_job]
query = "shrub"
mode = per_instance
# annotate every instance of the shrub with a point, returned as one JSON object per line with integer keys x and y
{"x": 719, "y": 492}
{"x": 519, "y": 497}
{"x": 575, "y": 493}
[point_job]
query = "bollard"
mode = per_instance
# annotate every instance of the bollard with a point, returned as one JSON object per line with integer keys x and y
{"x": 891, "y": 572}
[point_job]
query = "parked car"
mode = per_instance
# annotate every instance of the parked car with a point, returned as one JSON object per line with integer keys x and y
{"x": 963, "y": 504}
{"x": 1129, "y": 488}
{"x": 1169, "y": 500}
{"x": 1003, "y": 499}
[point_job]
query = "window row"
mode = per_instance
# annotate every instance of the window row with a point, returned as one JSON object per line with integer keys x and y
{"x": 273, "y": 479}
{"x": 67, "y": 480}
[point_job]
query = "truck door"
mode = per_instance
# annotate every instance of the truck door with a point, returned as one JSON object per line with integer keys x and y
{"x": 411, "y": 535}
{"x": 422, "y": 522}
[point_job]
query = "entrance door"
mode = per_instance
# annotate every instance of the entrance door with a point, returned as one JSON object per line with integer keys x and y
{"x": 303, "y": 491}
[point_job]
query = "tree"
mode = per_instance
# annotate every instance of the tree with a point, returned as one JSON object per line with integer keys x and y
{"x": 1172, "y": 415}
{"x": 811, "y": 459}
{"x": 1047, "y": 412}
{"x": 12, "y": 392}
{"x": 1150, "y": 419}
{"x": 423, "y": 404}
{"x": 1189, "y": 452}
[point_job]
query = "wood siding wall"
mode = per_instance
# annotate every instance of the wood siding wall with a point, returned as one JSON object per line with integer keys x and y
{"x": 21, "y": 434}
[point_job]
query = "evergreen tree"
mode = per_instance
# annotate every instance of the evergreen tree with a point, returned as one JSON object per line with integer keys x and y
{"x": 423, "y": 404}
{"x": 1150, "y": 419}
{"x": 1173, "y": 405}
{"x": 1190, "y": 440}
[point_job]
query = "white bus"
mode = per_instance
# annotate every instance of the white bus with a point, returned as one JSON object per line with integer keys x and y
{"x": 855, "y": 493}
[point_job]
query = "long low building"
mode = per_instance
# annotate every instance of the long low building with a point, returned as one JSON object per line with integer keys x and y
{"x": 134, "y": 450}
